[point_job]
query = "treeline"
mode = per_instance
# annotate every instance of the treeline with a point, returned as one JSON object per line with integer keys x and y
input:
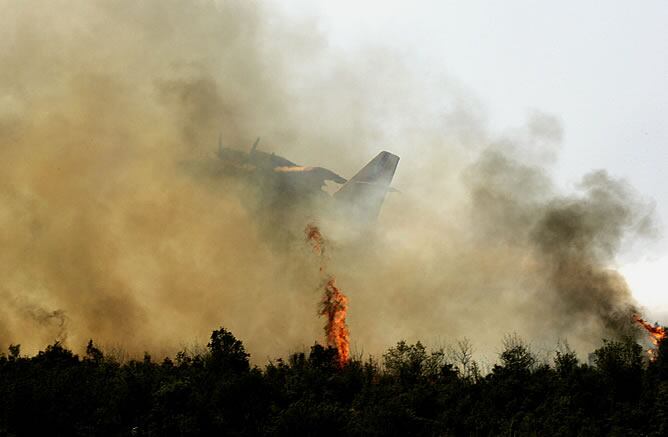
{"x": 411, "y": 391}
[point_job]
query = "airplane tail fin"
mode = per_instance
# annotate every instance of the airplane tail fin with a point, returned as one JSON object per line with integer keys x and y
{"x": 363, "y": 195}
{"x": 254, "y": 146}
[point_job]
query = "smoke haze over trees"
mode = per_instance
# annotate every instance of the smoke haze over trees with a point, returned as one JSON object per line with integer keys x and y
{"x": 104, "y": 234}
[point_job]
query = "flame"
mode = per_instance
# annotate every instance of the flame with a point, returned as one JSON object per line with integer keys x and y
{"x": 292, "y": 169}
{"x": 334, "y": 304}
{"x": 314, "y": 236}
{"x": 656, "y": 333}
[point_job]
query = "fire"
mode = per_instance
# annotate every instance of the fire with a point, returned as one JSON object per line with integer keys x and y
{"x": 314, "y": 236}
{"x": 293, "y": 169}
{"x": 334, "y": 304}
{"x": 656, "y": 333}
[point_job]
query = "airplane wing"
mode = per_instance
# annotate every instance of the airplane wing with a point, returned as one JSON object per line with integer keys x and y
{"x": 320, "y": 173}
{"x": 329, "y": 175}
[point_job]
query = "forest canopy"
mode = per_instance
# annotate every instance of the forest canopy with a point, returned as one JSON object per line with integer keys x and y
{"x": 409, "y": 391}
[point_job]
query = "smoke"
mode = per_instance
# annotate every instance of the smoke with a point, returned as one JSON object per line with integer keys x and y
{"x": 101, "y": 102}
{"x": 509, "y": 254}
{"x": 105, "y": 233}
{"x": 569, "y": 242}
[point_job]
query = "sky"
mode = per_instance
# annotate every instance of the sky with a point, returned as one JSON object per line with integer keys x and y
{"x": 600, "y": 67}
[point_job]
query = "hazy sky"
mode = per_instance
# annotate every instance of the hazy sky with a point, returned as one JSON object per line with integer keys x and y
{"x": 600, "y": 67}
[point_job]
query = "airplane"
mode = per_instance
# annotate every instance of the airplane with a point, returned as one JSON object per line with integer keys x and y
{"x": 359, "y": 199}
{"x": 268, "y": 163}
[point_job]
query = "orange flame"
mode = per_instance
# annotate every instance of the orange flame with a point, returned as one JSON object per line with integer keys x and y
{"x": 292, "y": 169}
{"x": 656, "y": 333}
{"x": 314, "y": 236}
{"x": 334, "y": 304}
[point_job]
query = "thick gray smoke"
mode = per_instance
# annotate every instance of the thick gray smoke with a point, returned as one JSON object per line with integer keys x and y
{"x": 571, "y": 241}
{"x": 105, "y": 235}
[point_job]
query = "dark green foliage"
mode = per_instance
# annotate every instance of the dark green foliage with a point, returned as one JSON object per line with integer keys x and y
{"x": 227, "y": 353}
{"x": 413, "y": 392}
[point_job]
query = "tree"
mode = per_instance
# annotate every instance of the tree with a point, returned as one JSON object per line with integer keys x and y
{"x": 565, "y": 361}
{"x": 661, "y": 362}
{"x": 410, "y": 362}
{"x": 324, "y": 358}
{"x": 621, "y": 364}
{"x": 462, "y": 356}
{"x": 93, "y": 354}
{"x": 616, "y": 358}
{"x": 57, "y": 356}
{"x": 14, "y": 352}
{"x": 516, "y": 356}
{"x": 228, "y": 353}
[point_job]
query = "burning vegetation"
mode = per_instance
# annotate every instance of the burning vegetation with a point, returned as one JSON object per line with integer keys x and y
{"x": 655, "y": 332}
{"x": 334, "y": 304}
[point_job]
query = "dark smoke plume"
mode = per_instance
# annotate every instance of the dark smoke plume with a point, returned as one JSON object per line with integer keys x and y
{"x": 571, "y": 241}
